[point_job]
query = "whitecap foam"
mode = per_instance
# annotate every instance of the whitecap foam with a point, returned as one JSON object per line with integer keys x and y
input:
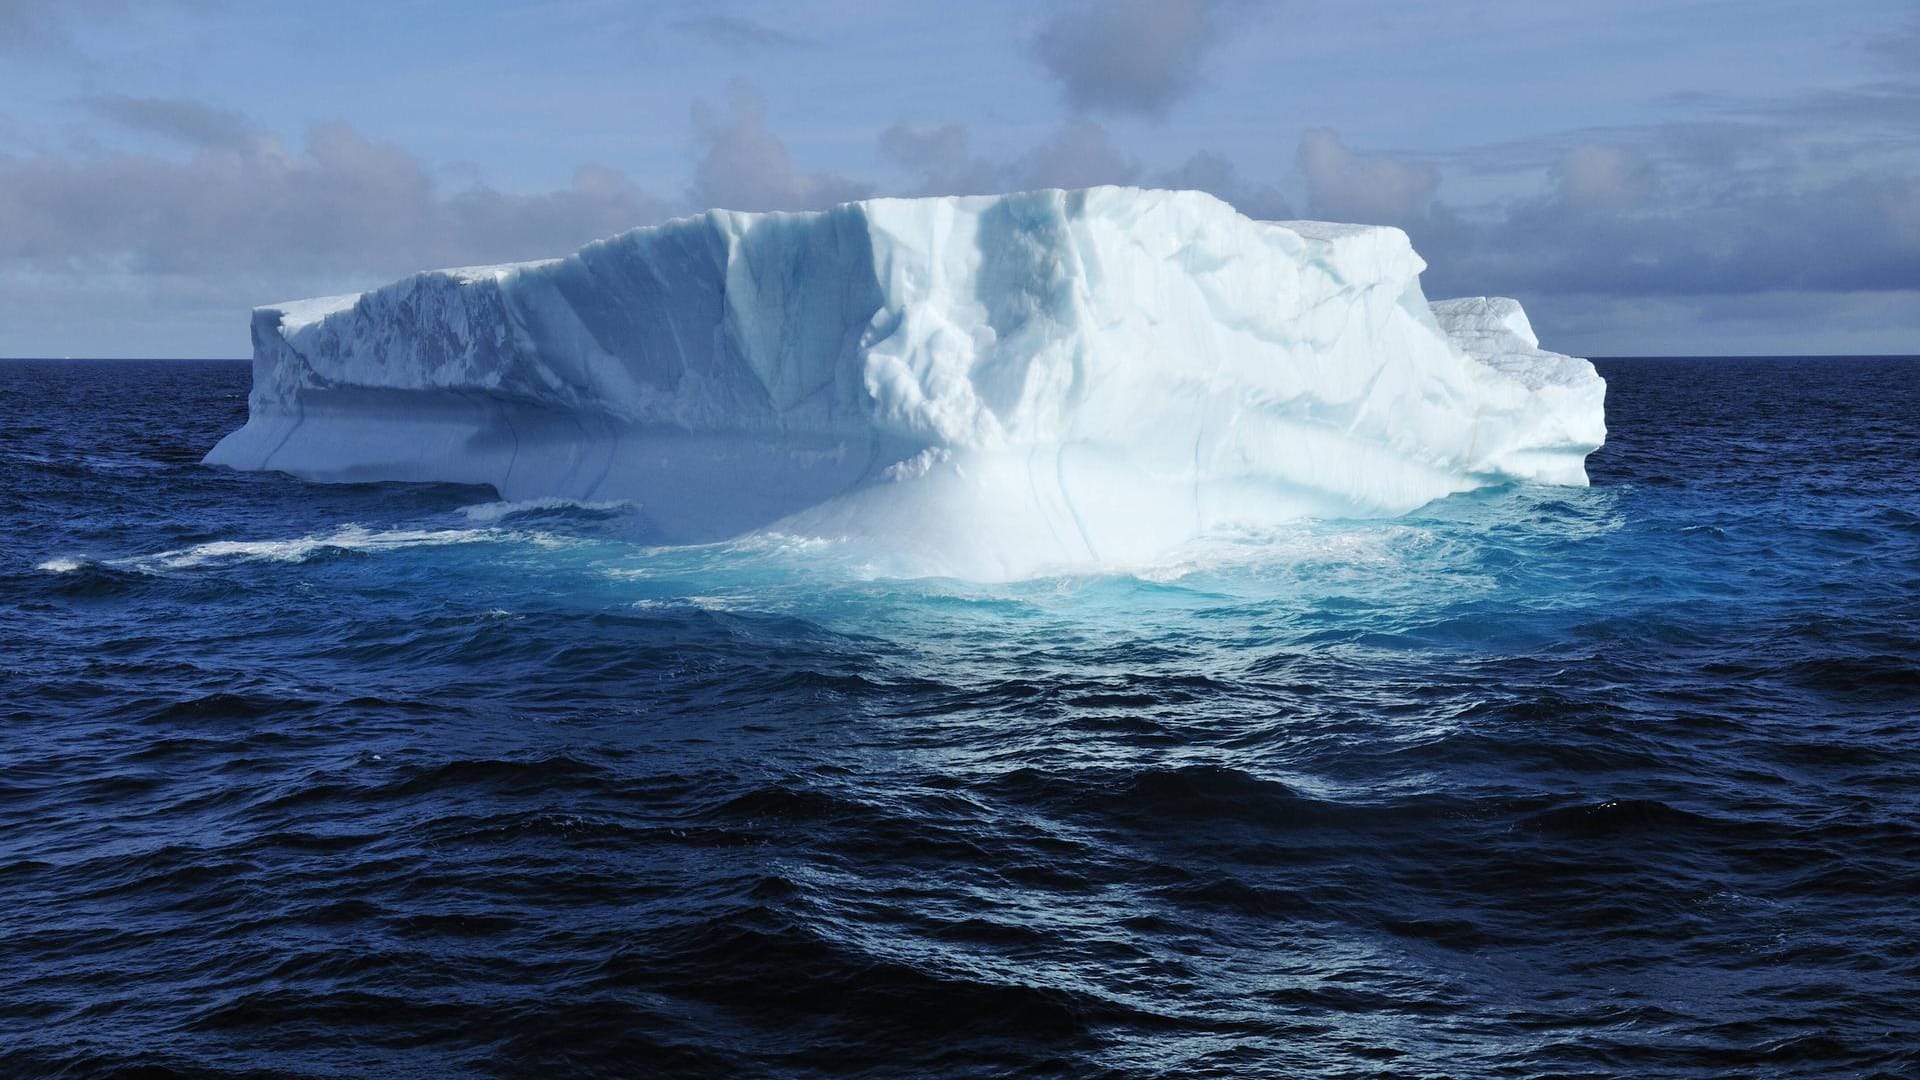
{"x": 62, "y": 565}
{"x": 685, "y": 604}
{"x": 346, "y": 538}
{"x": 497, "y": 511}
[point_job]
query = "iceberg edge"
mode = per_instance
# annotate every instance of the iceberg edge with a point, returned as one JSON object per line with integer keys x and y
{"x": 983, "y": 387}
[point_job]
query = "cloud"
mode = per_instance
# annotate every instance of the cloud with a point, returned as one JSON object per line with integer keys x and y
{"x": 1694, "y": 146}
{"x": 744, "y": 166}
{"x": 342, "y": 205}
{"x": 734, "y": 32}
{"x": 1856, "y": 235}
{"x": 1654, "y": 232}
{"x": 1079, "y": 154}
{"x": 1900, "y": 48}
{"x": 1213, "y": 173}
{"x": 941, "y": 161}
{"x": 1647, "y": 241}
{"x": 192, "y": 122}
{"x": 1863, "y": 112}
{"x": 1127, "y": 56}
{"x": 111, "y": 253}
{"x": 39, "y": 29}
{"x": 1345, "y": 186}
{"x": 1859, "y": 234}
{"x": 1770, "y": 323}
{"x": 1593, "y": 175}
{"x": 34, "y": 26}
{"x": 1658, "y": 223}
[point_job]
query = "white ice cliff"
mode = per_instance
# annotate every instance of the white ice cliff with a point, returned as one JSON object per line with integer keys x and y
{"x": 983, "y": 387}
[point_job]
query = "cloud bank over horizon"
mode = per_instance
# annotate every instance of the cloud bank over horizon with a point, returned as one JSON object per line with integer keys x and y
{"x": 143, "y": 216}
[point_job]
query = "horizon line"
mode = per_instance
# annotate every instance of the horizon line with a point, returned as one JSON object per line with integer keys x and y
{"x": 1598, "y": 356}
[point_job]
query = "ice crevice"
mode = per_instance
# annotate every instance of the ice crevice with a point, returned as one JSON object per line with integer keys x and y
{"x": 989, "y": 386}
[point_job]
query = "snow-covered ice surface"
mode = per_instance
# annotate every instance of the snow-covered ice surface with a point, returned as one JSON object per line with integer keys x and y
{"x": 981, "y": 387}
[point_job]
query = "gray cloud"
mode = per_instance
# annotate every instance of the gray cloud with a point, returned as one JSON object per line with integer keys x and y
{"x": 1779, "y": 322}
{"x": 1137, "y": 56}
{"x": 1213, "y": 173}
{"x": 192, "y": 122}
{"x": 1608, "y": 225}
{"x": 47, "y": 28}
{"x": 745, "y": 166}
{"x": 1079, "y": 154}
{"x": 1757, "y": 219}
{"x": 734, "y": 32}
{"x": 1644, "y": 235}
{"x": 1697, "y": 146}
{"x": 102, "y": 252}
{"x": 1599, "y": 175}
{"x": 942, "y": 161}
{"x": 1752, "y": 243}
{"x": 1862, "y": 111}
{"x": 1345, "y": 186}
{"x": 343, "y": 204}
{"x": 31, "y": 26}
{"x": 1856, "y": 235}
{"x": 1900, "y": 47}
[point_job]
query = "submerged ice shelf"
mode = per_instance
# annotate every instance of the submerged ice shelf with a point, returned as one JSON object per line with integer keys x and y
{"x": 982, "y": 387}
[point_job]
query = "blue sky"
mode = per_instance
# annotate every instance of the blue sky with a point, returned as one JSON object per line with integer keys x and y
{"x": 1683, "y": 176}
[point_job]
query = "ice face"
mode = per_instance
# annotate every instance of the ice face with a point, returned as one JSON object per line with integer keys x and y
{"x": 1569, "y": 398}
{"x": 983, "y": 387}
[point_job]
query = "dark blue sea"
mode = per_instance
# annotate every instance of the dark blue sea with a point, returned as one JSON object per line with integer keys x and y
{"x": 400, "y": 781}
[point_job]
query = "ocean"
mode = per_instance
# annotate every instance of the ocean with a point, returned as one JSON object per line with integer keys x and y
{"x": 377, "y": 780}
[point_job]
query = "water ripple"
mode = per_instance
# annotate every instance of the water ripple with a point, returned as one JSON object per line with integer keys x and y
{"x": 401, "y": 780}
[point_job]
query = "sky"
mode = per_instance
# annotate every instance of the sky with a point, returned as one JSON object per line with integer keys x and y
{"x": 1649, "y": 177}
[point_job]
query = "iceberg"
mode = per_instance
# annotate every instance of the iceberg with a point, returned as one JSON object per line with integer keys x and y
{"x": 985, "y": 387}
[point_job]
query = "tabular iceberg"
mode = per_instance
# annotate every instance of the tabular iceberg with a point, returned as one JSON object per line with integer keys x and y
{"x": 983, "y": 387}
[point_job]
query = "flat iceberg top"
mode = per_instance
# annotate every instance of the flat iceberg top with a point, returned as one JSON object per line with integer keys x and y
{"x": 1496, "y": 332}
{"x": 293, "y": 314}
{"x": 983, "y": 386}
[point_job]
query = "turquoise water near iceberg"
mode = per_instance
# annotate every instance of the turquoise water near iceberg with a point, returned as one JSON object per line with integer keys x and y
{"x": 399, "y": 780}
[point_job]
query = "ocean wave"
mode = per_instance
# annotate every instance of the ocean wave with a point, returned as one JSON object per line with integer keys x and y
{"x": 1468, "y": 792}
{"x": 574, "y": 508}
{"x": 346, "y": 539}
